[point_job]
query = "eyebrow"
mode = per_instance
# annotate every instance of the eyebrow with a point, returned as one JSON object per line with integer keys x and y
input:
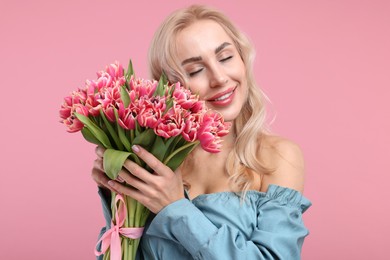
{"x": 221, "y": 47}
{"x": 199, "y": 58}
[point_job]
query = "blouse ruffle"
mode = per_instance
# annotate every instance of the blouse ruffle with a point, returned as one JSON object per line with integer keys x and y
{"x": 222, "y": 226}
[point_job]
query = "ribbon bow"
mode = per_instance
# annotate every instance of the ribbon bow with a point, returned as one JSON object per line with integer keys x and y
{"x": 111, "y": 237}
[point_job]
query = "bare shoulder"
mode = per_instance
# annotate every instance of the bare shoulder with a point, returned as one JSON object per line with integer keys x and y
{"x": 285, "y": 159}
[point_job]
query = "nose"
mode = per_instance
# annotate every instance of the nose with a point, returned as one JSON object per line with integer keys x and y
{"x": 217, "y": 76}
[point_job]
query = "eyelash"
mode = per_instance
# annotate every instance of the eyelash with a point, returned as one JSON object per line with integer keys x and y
{"x": 191, "y": 74}
{"x": 226, "y": 59}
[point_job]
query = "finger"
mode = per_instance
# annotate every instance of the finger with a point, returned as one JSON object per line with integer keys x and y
{"x": 99, "y": 151}
{"x": 127, "y": 190}
{"x": 136, "y": 171}
{"x": 157, "y": 166}
{"x": 119, "y": 179}
{"x": 98, "y": 164}
{"x": 101, "y": 179}
{"x": 135, "y": 182}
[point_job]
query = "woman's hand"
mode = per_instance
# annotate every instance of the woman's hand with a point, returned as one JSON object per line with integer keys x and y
{"x": 154, "y": 190}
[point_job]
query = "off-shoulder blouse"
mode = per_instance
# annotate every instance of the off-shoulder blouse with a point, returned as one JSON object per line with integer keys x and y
{"x": 266, "y": 225}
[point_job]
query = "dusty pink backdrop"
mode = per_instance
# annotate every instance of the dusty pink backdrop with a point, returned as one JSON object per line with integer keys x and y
{"x": 324, "y": 64}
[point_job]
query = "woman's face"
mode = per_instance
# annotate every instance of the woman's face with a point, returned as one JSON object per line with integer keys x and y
{"x": 214, "y": 68}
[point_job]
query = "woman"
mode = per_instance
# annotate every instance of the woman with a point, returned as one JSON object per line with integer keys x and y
{"x": 242, "y": 203}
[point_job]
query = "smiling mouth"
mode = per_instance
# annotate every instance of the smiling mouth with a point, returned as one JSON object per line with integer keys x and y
{"x": 225, "y": 96}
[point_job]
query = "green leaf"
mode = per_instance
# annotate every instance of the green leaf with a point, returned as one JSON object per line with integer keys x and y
{"x": 137, "y": 160}
{"x": 171, "y": 144}
{"x": 164, "y": 78}
{"x": 159, "y": 148}
{"x": 138, "y": 128}
{"x": 90, "y": 137}
{"x": 112, "y": 131}
{"x": 178, "y": 142}
{"x": 169, "y": 104}
{"x": 181, "y": 142}
{"x": 161, "y": 86}
{"x": 131, "y": 135}
{"x": 175, "y": 159}
{"x": 95, "y": 130}
{"x": 145, "y": 138}
{"x": 113, "y": 161}
{"x": 122, "y": 136}
{"x": 130, "y": 71}
{"x": 125, "y": 96}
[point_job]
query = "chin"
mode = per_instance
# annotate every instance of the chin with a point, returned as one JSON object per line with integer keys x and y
{"x": 230, "y": 116}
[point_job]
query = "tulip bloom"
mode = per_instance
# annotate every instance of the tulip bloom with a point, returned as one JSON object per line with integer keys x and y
{"x": 172, "y": 123}
{"x": 212, "y": 128}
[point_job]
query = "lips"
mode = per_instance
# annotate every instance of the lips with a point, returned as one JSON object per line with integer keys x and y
{"x": 223, "y": 99}
{"x": 222, "y": 95}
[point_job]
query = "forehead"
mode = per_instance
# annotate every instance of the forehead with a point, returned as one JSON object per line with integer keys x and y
{"x": 200, "y": 38}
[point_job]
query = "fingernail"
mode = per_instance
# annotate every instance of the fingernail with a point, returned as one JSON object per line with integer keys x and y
{"x": 111, "y": 183}
{"x": 135, "y": 148}
{"x": 119, "y": 178}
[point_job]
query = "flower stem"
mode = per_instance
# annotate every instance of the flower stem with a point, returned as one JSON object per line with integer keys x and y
{"x": 180, "y": 149}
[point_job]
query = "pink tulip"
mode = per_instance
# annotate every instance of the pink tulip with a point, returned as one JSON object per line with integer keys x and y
{"x": 127, "y": 117}
{"x": 77, "y": 97}
{"x": 110, "y": 96}
{"x": 186, "y": 99}
{"x": 65, "y": 113}
{"x": 66, "y": 108}
{"x": 142, "y": 87}
{"x": 115, "y": 70}
{"x": 211, "y": 130}
{"x": 104, "y": 81}
{"x": 133, "y": 95}
{"x": 150, "y": 111}
{"x": 198, "y": 107}
{"x": 209, "y": 143}
{"x": 172, "y": 123}
{"x": 72, "y": 123}
{"x": 109, "y": 112}
{"x": 93, "y": 105}
{"x": 191, "y": 126}
{"x": 119, "y": 82}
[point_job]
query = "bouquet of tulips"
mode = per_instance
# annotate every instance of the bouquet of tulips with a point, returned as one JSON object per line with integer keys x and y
{"x": 117, "y": 111}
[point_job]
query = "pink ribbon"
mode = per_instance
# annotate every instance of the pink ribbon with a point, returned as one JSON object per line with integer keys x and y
{"x": 111, "y": 237}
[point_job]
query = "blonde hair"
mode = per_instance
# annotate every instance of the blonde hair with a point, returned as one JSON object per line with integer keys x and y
{"x": 251, "y": 123}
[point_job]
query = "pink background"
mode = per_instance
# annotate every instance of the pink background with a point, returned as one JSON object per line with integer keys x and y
{"x": 324, "y": 64}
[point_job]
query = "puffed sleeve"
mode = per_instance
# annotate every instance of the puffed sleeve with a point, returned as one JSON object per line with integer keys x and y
{"x": 278, "y": 231}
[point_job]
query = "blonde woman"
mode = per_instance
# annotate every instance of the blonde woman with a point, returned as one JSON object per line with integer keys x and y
{"x": 242, "y": 203}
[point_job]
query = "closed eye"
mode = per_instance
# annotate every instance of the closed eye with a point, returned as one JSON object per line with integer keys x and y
{"x": 191, "y": 74}
{"x": 226, "y": 59}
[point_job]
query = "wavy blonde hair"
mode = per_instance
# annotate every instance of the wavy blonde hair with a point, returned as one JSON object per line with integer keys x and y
{"x": 251, "y": 123}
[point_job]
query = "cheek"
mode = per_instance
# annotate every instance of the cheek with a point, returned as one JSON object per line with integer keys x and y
{"x": 197, "y": 87}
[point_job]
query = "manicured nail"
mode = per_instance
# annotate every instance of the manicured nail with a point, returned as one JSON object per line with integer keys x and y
{"x": 119, "y": 178}
{"x": 135, "y": 148}
{"x": 111, "y": 183}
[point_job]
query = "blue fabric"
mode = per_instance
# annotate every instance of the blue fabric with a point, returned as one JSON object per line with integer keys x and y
{"x": 222, "y": 226}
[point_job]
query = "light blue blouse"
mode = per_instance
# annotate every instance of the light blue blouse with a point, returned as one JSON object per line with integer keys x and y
{"x": 222, "y": 226}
